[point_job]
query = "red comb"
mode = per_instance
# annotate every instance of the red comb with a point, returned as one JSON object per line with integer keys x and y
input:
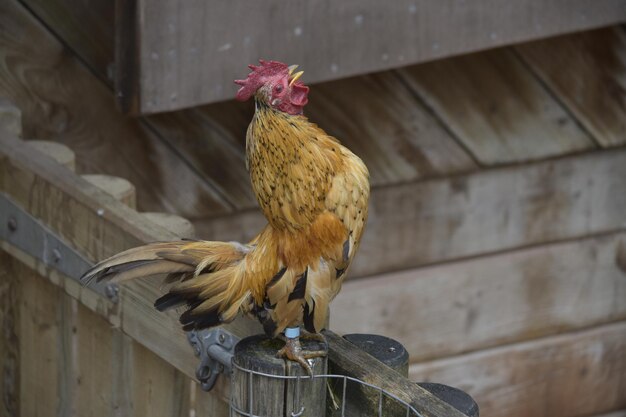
{"x": 259, "y": 76}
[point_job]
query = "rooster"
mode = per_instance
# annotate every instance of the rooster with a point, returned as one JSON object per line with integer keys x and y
{"x": 313, "y": 192}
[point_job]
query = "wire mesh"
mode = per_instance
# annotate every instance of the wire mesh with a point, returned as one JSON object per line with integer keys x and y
{"x": 382, "y": 394}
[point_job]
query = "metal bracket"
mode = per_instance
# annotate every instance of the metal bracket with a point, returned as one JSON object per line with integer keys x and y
{"x": 20, "y": 229}
{"x": 216, "y": 349}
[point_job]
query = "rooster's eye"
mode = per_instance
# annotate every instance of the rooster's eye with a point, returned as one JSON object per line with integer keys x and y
{"x": 278, "y": 88}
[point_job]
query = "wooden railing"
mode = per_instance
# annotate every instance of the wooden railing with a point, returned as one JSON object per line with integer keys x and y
{"x": 92, "y": 340}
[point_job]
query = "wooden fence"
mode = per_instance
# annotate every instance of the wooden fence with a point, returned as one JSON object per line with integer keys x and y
{"x": 70, "y": 350}
{"x": 497, "y": 205}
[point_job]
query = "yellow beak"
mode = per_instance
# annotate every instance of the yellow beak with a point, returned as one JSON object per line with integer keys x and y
{"x": 295, "y": 77}
{"x": 292, "y": 68}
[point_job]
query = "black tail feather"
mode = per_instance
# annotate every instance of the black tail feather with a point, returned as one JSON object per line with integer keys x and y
{"x": 170, "y": 300}
{"x": 194, "y": 321}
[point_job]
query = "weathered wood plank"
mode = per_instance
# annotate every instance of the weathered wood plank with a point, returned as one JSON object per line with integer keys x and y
{"x": 9, "y": 339}
{"x": 10, "y": 121}
{"x": 201, "y": 142}
{"x": 497, "y": 108}
{"x": 70, "y": 205}
{"x": 38, "y": 343}
{"x": 489, "y": 211}
{"x": 329, "y": 39}
{"x": 381, "y": 121}
{"x": 61, "y": 100}
{"x": 593, "y": 87}
{"x": 159, "y": 389}
{"x": 209, "y": 405}
{"x": 91, "y": 363}
{"x": 87, "y": 26}
{"x": 505, "y": 298}
{"x": 570, "y": 375}
{"x": 125, "y": 78}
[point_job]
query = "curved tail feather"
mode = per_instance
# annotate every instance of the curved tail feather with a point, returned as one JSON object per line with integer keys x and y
{"x": 205, "y": 277}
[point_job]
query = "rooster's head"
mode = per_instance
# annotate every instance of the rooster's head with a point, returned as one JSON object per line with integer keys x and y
{"x": 276, "y": 85}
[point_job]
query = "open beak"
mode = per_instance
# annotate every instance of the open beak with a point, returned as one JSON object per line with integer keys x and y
{"x": 292, "y": 68}
{"x": 295, "y": 77}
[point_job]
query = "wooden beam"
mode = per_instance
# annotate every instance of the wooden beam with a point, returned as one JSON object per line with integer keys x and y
{"x": 593, "y": 85}
{"x": 465, "y": 306}
{"x": 189, "y": 51}
{"x": 495, "y": 106}
{"x": 570, "y": 375}
{"x": 347, "y": 359}
{"x": 51, "y": 193}
{"x": 489, "y": 211}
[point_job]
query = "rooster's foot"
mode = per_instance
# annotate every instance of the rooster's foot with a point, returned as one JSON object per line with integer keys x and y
{"x": 293, "y": 352}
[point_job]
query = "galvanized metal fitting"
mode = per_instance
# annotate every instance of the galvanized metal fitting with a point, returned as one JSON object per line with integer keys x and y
{"x": 216, "y": 349}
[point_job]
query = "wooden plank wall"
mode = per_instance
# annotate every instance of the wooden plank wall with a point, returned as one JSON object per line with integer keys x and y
{"x": 496, "y": 248}
{"x": 74, "y": 363}
{"x": 179, "y": 42}
{"x": 68, "y": 355}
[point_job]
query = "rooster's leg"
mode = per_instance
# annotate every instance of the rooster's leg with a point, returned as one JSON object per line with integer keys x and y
{"x": 294, "y": 352}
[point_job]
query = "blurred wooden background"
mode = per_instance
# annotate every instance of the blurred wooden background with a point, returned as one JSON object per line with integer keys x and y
{"x": 496, "y": 246}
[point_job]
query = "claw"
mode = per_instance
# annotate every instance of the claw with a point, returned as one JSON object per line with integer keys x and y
{"x": 293, "y": 352}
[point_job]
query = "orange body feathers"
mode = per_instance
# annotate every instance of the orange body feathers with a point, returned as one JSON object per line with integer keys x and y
{"x": 313, "y": 192}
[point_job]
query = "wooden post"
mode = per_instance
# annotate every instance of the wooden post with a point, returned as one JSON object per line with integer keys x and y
{"x": 394, "y": 355}
{"x": 119, "y": 188}
{"x": 57, "y": 151}
{"x": 362, "y": 400}
{"x": 273, "y": 397}
{"x": 387, "y": 350}
{"x": 347, "y": 359}
{"x": 175, "y": 224}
